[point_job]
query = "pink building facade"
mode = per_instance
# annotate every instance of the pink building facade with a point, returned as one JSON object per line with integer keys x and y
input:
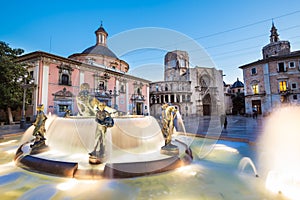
{"x": 96, "y": 72}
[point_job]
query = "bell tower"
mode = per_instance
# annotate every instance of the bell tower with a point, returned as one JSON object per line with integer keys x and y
{"x": 176, "y": 66}
{"x": 276, "y": 47}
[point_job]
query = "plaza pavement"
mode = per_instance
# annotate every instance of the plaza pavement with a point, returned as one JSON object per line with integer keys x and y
{"x": 239, "y": 128}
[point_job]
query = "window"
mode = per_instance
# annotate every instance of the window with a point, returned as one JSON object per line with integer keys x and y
{"x": 294, "y": 85}
{"x": 182, "y": 63}
{"x": 292, "y": 64}
{"x": 253, "y": 71}
{"x": 122, "y": 88}
{"x": 183, "y": 98}
{"x": 64, "y": 77}
{"x": 171, "y": 64}
{"x": 282, "y": 86}
{"x": 101, "y": 85}
{"x": 255, "y": 89}
{"x": 63, "y": 108}
{"x": 295, "y": 97}
{"x": 166, "y": 87}
{"x": 188, "y": 98}
{"x": 281, "y": 67}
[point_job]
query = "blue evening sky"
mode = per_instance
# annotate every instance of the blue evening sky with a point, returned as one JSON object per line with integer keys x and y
{"x": 231, "y": 32}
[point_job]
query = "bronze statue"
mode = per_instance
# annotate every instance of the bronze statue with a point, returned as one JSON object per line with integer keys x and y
{"x": 39, "y": 130}
{"x": 67, "y": 113}
{"x": 168, "y": 117}
{"x": 104, "y": 120}
{"x": 170, "y": 114}
{"x": 164, "y": 121}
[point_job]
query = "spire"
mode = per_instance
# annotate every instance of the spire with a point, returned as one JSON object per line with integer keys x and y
{"x": 101, "y": 35}
{"x": 274, "y": 35}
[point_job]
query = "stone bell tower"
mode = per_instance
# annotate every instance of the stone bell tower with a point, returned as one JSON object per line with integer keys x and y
{"x": 276, "y": 47}
{"x": 177, "y": 66}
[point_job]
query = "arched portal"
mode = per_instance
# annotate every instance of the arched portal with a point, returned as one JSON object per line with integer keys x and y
{"x": 207, "y": 105}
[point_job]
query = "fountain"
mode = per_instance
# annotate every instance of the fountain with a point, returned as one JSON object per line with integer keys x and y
{"x": 134, "y": 167}
{"x": 133, "y": 149}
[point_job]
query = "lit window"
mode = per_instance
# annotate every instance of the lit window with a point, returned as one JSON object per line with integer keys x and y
{"x": 282, "y": 86}
{"x": 255, "y": 89}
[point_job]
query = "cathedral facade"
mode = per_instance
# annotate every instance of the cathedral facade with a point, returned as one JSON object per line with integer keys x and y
{"x": 194, "y": 91}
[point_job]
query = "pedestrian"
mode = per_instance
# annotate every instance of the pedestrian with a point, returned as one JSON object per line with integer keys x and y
{"x": 225, "y": 122}
{"x": 254, "y": 112}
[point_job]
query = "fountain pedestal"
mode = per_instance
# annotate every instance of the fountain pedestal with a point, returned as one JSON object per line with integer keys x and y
{"x": 38, "y": 147}
{"x": 170, "y": 150}
{"x": 98, "y": 158}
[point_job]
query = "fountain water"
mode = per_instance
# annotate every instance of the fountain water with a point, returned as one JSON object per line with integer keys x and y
{"x": 280, "y": 150}
{"x": 132, "y": 149}
{"x": 246, "y": 161}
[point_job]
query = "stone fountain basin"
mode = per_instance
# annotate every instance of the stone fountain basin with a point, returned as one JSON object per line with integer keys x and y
{"x": 132, "y": 149}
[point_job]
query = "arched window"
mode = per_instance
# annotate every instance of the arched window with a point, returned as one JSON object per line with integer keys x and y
{"x": 166, "y": 87}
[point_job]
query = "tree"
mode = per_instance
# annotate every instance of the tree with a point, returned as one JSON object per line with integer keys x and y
{"x": 11, "y": 92}
{"x": 238, "y": 103}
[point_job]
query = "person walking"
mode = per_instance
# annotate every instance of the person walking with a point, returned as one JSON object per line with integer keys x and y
{"x": 254, "y": 112}
{"x": 225, "y": 123}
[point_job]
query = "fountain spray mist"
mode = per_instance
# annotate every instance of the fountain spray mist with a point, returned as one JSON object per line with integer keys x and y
{"x": 280, "y": 150}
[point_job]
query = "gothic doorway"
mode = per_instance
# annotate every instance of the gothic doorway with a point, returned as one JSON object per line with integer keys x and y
{"x": 207, "y": 105}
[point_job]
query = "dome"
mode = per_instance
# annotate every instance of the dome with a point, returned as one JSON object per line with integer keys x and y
{"x": 237, "y": 84}
{"x": 100, "y": 50}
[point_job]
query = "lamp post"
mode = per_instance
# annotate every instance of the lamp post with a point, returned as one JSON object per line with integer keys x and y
{"x": 115, "y": 94}
{"x": 25, "y": 85}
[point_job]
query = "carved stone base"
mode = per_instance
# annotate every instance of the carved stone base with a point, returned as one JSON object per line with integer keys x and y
{"x": 170, "y": 150}
{"x": 97, "y": 157}
{"x": 38, "y": 147}
{"x": 96, "y": 160}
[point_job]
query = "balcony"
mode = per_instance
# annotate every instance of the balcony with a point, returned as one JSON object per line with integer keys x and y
{"x": 259, "y": 94}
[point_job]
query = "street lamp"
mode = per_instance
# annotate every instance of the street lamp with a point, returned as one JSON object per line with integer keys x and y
{"x": 25, "y": 84}
{"x": 115, "y": 94}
